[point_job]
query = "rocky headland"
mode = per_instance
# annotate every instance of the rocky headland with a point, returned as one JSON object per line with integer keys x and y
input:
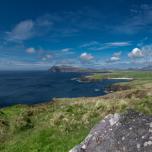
{"x": 65, "y": 68}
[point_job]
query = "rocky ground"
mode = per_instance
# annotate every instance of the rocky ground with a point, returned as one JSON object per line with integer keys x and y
{"x": 128, "y": 132}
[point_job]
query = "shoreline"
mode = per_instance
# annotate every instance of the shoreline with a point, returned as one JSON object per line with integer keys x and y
{"x": 121, "y": 78}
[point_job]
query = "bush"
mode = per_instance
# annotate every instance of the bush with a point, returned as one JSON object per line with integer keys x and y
{"x": 23, "y": 122}
{"x": 4, "y": 126}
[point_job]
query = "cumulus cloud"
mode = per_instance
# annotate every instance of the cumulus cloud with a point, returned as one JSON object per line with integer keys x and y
{"x": 22, "y": 31}
{"x": 30, "y": 50}
{"x": 136, "y": 53}
{"x": 86, "y": 56}
{"x": 46, "y": 57}
{"x": 147, "y": 53}
{"x": 147, "y": 50}
{"x": 42, "y": 54}
{"x": 115, "y": 57}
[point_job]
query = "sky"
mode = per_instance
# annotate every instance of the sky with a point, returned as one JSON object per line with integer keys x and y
{"x": 37, "y": 34}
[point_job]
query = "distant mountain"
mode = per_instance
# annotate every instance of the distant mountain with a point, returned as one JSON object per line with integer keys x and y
{"x": 65, "y": 68}
{"x": 147, "y": 68}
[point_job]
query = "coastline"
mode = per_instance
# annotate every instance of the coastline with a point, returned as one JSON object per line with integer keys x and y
{"x": 121, "y": 78}
{"x": 69, "y": 120}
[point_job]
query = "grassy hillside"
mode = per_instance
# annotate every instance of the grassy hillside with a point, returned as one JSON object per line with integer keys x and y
{"x": 137, "y": 75}
{"x": 59, "y": 125}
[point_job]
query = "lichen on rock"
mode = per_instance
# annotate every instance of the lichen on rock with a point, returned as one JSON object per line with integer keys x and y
{"x": 127, "y": 132}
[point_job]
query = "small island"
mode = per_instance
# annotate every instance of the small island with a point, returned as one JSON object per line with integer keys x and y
{"x": 66, "y": 68}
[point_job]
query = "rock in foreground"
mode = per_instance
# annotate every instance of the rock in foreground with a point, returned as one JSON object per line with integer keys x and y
{"x": 128, "y": 132}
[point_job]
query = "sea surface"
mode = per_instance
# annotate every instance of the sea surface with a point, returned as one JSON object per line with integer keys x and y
{"x": 26, "y": 87}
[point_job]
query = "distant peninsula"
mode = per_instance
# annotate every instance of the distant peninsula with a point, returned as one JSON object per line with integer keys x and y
{"x": 65, "y": 68}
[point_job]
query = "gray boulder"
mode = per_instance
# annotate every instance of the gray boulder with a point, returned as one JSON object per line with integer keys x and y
{"x": 128, "y": 132}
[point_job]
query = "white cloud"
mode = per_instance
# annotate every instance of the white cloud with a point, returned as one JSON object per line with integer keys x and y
{"x": 136, "y": 53}
{"x": 44, "y": 58}
{"x": 44, "y": 55}
{"x": 147, "y": 53}
{"x": 86, "y": 56}
{"x": 66, "y": 49}
{"x": 114, "y": 59}
{"x": 41, "y": 53}
{"x": 147, "y": 49}
{"x": 31, "y": 50}
{"x": 113, "y": 44}
{"x": 48, "y": 56}
{"x": 94, "y": 45}
{"x": 22, "y": 31}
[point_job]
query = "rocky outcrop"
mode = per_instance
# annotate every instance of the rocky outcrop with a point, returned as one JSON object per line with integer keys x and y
{"x": 128, "y": 132}
{"x": 88, "y": 79}
{"x": 117, "y": 87}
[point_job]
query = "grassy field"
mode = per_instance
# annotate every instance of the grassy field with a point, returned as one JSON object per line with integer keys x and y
{"x": 58, "y": 126}
{"x": 138, "y": 75}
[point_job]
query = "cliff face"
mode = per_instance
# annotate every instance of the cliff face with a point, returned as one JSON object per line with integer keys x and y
{"x": 129, "y": 132}
{"x": 64, "y": 68}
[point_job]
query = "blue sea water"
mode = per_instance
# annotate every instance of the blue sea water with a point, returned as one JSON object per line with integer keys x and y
{"x": 28, "y": 87}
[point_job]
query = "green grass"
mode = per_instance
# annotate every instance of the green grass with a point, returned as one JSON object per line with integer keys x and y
{"x": 58, "y": 126}
{"x": 138, "y": 75}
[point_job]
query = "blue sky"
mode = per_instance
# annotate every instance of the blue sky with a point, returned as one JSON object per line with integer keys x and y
{"x": 36, "y": 34}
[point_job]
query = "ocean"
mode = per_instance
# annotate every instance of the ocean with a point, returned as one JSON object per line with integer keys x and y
{"x": 32, "y": 87}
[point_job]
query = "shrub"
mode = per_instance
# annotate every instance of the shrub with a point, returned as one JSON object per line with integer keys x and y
{"x": 23, "y": 122}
